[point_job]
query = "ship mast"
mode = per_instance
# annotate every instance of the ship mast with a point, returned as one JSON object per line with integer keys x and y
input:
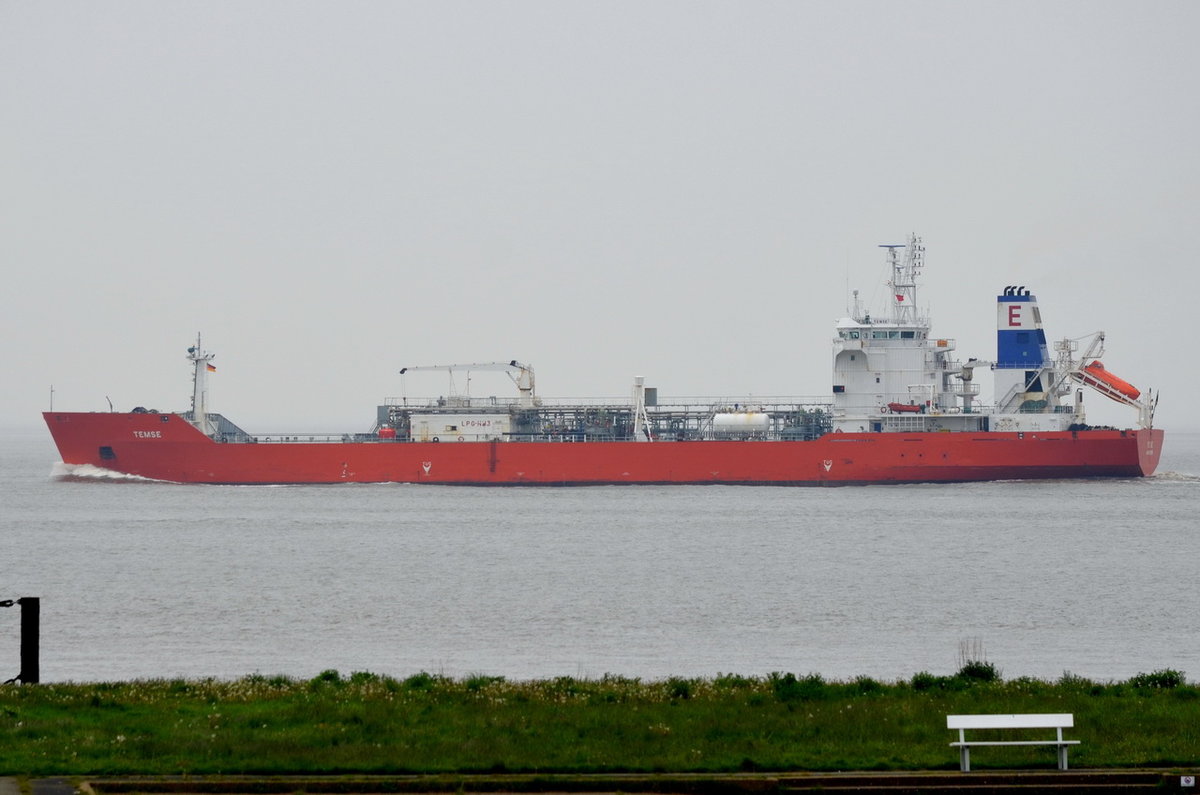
{"x": 641, "y": 420}
{"x": 904, "y": 279}
{"x": 200, "y": 364}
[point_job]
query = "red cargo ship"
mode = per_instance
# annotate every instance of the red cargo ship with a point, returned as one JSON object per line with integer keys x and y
{"x": 902, "y": 410}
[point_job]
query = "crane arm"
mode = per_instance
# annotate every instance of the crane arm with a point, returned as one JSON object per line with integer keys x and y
{"x": 523, "y": 379}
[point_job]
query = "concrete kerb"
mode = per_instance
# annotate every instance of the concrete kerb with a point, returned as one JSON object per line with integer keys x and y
{"x": 1129, "y": 781}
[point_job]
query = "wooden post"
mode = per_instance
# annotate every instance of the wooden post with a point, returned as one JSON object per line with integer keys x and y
{"x": 31, "y": 610}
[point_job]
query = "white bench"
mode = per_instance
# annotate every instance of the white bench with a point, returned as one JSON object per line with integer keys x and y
{"x": 964, "y": 722}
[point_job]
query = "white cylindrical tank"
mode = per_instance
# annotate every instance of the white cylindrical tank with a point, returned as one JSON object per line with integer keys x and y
{"x": 741, "y": 423}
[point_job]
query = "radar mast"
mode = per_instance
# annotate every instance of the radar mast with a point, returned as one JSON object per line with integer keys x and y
{"x": 904, "y": 278}
{"x": 201, "y": 364}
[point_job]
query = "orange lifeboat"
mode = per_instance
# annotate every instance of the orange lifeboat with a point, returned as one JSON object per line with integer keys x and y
{"x": 1095, "y": 375}
{"x": 903, "y": 408}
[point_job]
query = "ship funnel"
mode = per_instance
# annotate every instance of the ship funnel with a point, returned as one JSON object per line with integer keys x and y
{"x": 1020, "y": 340}
{"x": 1021, "y": 352}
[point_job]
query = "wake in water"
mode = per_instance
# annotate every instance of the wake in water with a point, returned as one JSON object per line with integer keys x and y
{"x": 1177, "y": 477}
{"x": 87, "y": 472}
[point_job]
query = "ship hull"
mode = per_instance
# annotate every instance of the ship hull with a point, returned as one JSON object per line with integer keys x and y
{"x": 167, "y": 447}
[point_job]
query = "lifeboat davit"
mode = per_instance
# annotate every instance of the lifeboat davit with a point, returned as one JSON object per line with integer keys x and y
{"x": 1095, "y": 375}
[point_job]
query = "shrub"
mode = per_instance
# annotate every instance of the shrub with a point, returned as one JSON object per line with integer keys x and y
{"x": 733, "y": 682}
{"x": 1028, "y": 685}
{"x": 566, "y": 687}
{"x": 477, "y": 682}
{"x": 788, "y": 688}
{"x": 925, "y": 681}
{"x": 1074, "y": 683}
{"x": 1162, "y": 679}
{"x": 615, "y": 689}
{"x": 978, "y": 671}
{"x": 330, "y": 676}
{"x": 865, "y": 685}
{"x": 679, "y": 688}
{"x": 420, "y": 681}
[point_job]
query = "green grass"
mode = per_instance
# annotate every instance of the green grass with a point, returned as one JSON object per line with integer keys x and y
{"x": 430, "y": 724}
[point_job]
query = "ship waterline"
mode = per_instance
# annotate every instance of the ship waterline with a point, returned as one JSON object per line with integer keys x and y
{"x": 167, "y": 447}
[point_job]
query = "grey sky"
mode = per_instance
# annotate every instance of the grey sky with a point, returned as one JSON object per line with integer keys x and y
{"x": 680, "y": 190}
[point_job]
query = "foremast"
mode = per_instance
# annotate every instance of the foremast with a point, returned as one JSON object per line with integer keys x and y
{"x": 201, "y": 366}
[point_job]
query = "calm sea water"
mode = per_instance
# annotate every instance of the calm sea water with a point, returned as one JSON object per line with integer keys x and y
{"x": 153, "y": 580}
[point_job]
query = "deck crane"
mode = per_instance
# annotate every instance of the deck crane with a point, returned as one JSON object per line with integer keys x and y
{"x": 1090, "y": 371}
{"x": 966, "y": 374}
{"x": 519, "y": 374}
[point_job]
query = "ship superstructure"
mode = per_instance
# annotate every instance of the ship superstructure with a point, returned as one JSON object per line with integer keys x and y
{"x": 903, "y": 408}
{"x": 892, "y": 374}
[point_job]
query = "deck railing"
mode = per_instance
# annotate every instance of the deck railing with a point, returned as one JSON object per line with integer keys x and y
{"x": 745, "y": 402}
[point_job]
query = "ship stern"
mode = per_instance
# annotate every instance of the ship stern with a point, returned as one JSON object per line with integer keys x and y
{"x": 1149, "y": 447}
